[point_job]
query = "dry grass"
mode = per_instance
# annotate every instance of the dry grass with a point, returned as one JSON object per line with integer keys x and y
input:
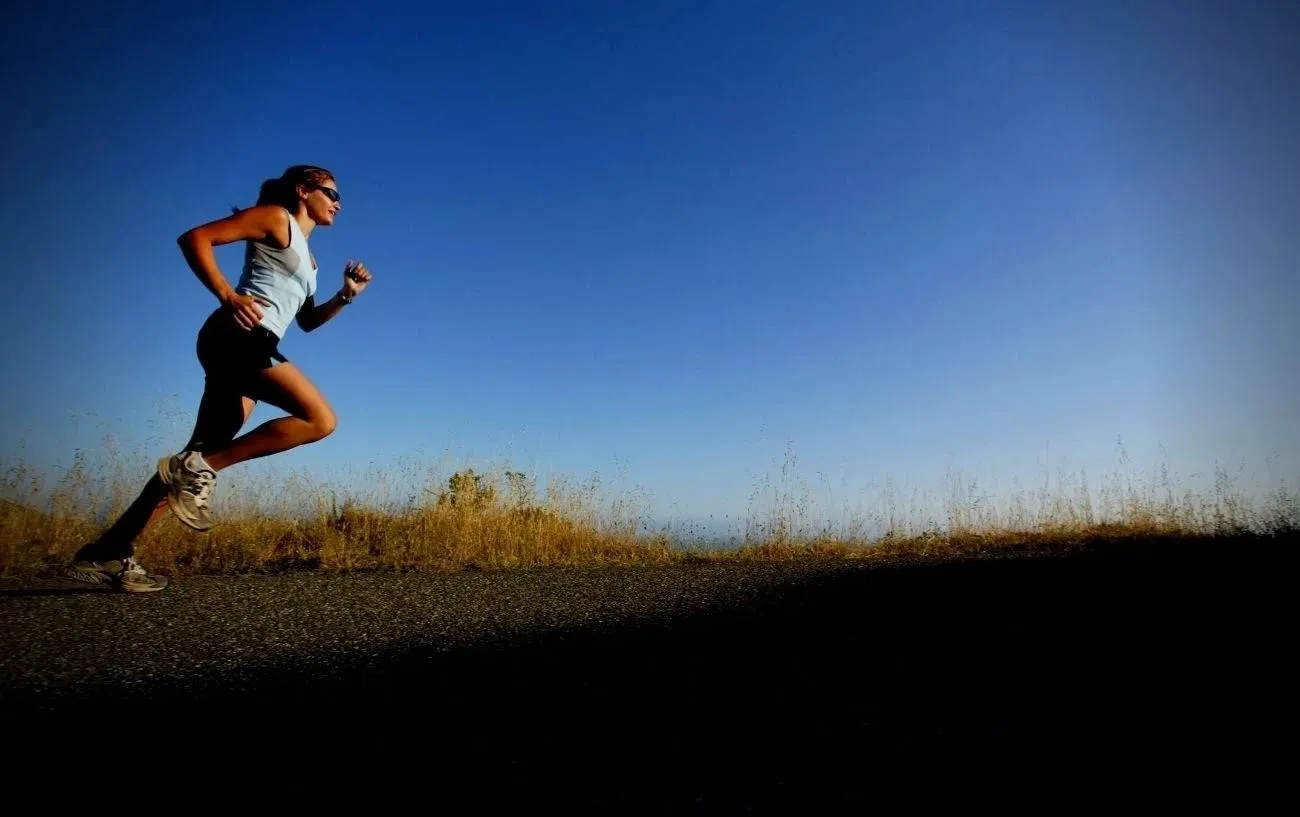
{"x": 501, "y": 519}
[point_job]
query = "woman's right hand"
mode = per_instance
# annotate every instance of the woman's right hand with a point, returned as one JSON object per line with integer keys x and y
{"x": 248, "y": 313}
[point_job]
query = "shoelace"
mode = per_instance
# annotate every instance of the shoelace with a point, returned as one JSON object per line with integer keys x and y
{"x": 130, "y": 565}
{"x": 201, "y": 486}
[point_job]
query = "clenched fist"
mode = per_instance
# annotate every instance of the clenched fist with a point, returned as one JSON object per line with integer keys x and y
{"x": 355, "y": 278}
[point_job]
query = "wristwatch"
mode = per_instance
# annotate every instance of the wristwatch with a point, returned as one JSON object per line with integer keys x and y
{"x": 344, "y": 297}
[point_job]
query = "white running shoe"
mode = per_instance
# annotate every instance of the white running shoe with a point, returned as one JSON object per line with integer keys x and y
{"x": 93, "y": 572}
{"x": 127, "y": 574}
{"x": 135, "y": 579}
{"x": 191, "y": 481}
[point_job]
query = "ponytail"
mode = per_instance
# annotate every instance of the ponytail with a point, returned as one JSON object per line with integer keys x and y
{"x": 278, "y": 191}
{"x": 284, "y": 190}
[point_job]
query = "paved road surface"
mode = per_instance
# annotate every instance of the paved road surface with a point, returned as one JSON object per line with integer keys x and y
{"x": 704, "y": 689}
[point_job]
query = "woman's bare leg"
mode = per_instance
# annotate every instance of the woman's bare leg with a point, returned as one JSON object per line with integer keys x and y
{"x": 222, "y": 412}
{"x": 310, "y": 418}
{"x": 191, "y": 478}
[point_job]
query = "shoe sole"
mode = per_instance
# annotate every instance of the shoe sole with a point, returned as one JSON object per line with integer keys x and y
{"x": 159, "y": 582}
{"x": 87, "y": 576}
{"x": 165, "y": 474}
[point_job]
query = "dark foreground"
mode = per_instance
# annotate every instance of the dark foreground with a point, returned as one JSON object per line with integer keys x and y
{"x": 1155, "y": 670}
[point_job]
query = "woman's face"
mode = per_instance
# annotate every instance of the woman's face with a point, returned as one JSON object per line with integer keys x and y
{"x": 322, "y": 201}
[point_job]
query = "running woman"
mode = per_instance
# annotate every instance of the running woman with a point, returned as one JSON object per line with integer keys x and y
{"x": 238, "y": 348}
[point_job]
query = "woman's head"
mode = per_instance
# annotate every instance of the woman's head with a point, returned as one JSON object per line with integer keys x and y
{"x": 304, "y": 187}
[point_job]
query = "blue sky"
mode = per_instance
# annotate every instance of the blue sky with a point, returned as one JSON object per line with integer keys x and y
{"x": 672, "y": 240}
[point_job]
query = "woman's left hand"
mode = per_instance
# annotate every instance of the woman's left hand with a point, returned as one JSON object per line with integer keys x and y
{"x": 355, "y": 278}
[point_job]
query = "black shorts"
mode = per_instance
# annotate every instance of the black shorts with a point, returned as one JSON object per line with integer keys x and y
{"x": 230, "y": 354}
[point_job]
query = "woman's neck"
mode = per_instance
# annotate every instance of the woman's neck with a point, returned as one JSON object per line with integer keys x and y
{"x": 305, "y": 222}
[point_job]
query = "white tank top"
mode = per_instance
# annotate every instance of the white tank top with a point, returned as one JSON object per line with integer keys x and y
{"x": 283, "y": 278}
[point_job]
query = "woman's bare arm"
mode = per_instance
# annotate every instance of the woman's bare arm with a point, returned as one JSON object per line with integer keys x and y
{"x": 255, "y": 223}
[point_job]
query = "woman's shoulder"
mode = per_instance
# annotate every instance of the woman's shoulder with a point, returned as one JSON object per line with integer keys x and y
{"x": 276, "y": 221}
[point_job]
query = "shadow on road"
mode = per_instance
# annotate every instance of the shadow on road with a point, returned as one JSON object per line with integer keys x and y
{"x": 29, "y": 592}
{"x": 1150, "y": 653}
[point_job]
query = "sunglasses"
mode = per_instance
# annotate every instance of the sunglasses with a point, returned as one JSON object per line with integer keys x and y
{"x": 330, "y": 192}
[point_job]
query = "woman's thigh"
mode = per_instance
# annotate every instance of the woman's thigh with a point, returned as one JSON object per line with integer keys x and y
{"x": 286, "y": 387}
{"x": 223, "y": 410}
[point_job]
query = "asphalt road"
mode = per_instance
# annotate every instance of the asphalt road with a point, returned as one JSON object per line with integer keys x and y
{"x": 698, "y": 689}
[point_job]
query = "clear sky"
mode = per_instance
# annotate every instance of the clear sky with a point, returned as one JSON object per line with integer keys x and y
{"x": 664, "y": 241}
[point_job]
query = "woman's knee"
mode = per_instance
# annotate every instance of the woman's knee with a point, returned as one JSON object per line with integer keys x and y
{"x": 323, "y": 422}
